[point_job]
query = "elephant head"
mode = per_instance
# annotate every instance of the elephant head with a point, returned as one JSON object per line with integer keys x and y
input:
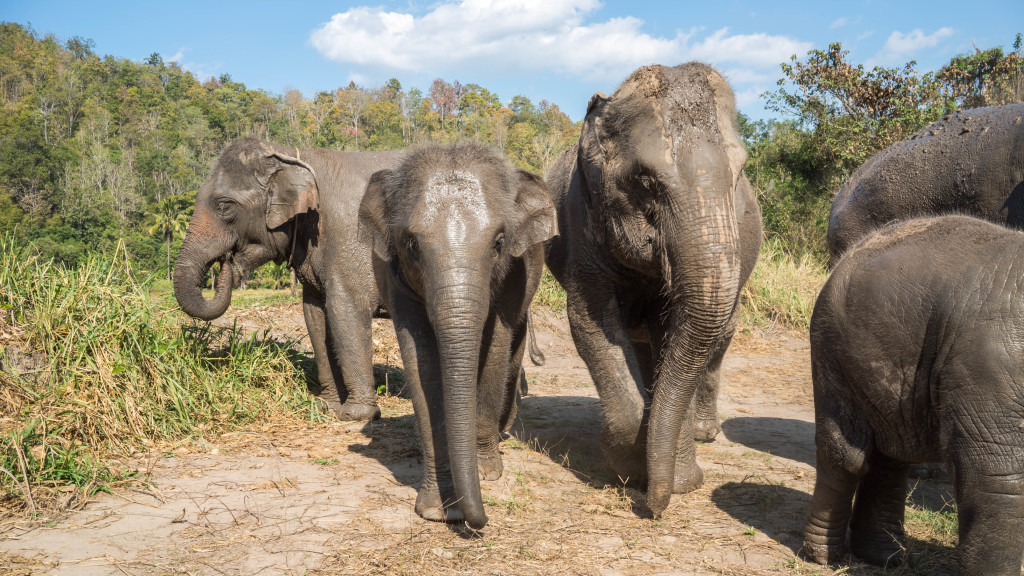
{"x": 660, "y": 160}
{"x": 244, "y": 217}
{"x": 450, "y": 222}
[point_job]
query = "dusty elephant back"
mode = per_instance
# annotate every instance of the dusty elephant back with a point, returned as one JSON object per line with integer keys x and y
{"x": 971, "y": 162}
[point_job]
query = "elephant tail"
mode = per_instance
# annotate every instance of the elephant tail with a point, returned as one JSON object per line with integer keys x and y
{"x": 536, "y": 354}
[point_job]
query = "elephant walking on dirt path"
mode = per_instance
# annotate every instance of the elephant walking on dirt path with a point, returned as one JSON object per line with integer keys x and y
{"x": 659, "y": 230}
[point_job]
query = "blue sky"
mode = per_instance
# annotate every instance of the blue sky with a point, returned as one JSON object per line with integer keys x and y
{"x": 559, "y": 50}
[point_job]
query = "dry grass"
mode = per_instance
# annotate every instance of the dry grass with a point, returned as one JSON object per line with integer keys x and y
{"x": 782, "y": 288}
{"x": 95, "y": 370}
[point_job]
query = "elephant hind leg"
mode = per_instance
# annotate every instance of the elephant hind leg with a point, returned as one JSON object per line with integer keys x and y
{"x": 876, "y": 529}
{"x": 984, "y": 455}
{"x": 990, "y": 511}
{"x": 843, "y": 442}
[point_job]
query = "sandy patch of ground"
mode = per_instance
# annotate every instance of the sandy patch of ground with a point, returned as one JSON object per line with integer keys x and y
{"x": 337, "y": 498}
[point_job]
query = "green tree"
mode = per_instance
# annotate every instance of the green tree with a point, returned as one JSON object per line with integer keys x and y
{"x": 170, "y": 219}
{"x": 986, "y": 77}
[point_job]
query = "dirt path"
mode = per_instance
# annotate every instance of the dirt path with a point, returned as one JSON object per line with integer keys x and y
{"x": 337, "y": 498}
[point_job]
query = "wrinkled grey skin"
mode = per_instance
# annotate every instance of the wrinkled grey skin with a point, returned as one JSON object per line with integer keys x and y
{"x": 266, "y": 202}
{"x": 916, "y": 355}
{"x": 659, "y": 231}
{"x": 457, "y": 237}
{"x": 971, "y": 162}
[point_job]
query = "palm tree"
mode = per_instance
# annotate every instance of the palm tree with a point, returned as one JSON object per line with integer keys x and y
{"x": 169, "y": 220}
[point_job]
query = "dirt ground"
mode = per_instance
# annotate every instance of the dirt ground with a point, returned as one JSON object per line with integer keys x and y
{"x": 337, "y": 498}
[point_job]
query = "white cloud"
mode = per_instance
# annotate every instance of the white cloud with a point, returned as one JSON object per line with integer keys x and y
{"x": 202, "y": 72}
{"x": 838, "y": 23}
{"x": 900, "y": 48}
{"x": 529, "y": 36}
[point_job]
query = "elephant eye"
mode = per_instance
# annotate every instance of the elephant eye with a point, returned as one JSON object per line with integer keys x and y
{"x": 499, "y": 243}
{"x": 225, "y": 208}
{"x": 413, "y": 248}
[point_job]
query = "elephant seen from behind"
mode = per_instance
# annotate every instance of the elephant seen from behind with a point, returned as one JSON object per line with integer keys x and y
{"x": 916, "y": 356}
{"x": 659, "y": 230}
{"x": 457, "y": 239}
{"x": 266, "y": 202}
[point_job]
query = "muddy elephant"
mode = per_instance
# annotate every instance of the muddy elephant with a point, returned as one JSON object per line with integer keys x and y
{"x": 457, "y": 238}
{"x": 916, "y": 357}
{"x": 659, "y": 230}
{"x": 971, "y": 162}
{"x": 265, "y": 202}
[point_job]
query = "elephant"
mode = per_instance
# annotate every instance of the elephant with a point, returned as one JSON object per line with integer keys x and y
{"x": 659, "y": 230}
{"x": 263, "y": 202}
{"x": 457, "y": 237}
{"x": 971, "y": 162}
{"x": 916, "y": 357}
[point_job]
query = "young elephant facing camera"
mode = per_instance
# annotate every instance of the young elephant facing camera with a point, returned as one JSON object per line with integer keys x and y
{"x": 457, "y": 236}
{"x": 917, "y": 356}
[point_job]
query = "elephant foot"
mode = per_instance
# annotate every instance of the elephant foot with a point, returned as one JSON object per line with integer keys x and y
{"x": 823, "y": 553}
{"x": 706, "y": 430}
{"x": 354, "y": 411}
{"x": 880, "y": 547}
{"x": 431, "y": 506}
{"x": 489, "y": 464}
{"x": 628, "y": 463}
{"x": 688, "y": 478}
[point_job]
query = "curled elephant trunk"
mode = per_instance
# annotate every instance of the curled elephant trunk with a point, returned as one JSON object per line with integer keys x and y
{"x": 189, "y": 278}
{"x": 459, "y": 312}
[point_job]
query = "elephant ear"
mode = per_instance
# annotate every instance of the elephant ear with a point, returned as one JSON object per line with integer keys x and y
{"x": 591, "y": 155}
{"x": 373, "y": 216}
{"x": 536, "y": 221}
{"x": 292, "y": 189}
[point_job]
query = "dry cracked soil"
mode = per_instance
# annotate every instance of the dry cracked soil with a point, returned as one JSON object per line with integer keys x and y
{"x": 337, "y": 497}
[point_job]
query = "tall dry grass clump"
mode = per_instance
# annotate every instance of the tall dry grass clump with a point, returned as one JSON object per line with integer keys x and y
{"x": 782, "y": 289}
{"x": 94, "y": 369}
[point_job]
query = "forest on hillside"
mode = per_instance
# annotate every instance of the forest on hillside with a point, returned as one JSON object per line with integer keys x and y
{"x": 99, "y": 150}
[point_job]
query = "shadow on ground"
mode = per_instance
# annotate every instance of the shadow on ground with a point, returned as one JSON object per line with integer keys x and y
{"x": 784, "y": 437}
{"x": 566, "y": 430}
{"x": 393, "y": 443}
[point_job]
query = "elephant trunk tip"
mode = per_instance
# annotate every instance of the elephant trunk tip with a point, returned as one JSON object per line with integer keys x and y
{"x": 657, "y": 500}
{"x": 475, "y": 519}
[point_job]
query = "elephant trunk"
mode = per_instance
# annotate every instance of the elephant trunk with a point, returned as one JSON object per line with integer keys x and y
{"x": 701, "y": 261}
{"x": 190, "y": 271}
{"x": 459, "y": 309}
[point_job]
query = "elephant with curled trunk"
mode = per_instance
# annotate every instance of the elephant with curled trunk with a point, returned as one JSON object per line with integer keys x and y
{"x": 917, "y": 356}
{"x": 265, "y": 202}
{"x": 458, "y": 237}
{"x": 659, "y": 229}
{"x": 971, "y": 162}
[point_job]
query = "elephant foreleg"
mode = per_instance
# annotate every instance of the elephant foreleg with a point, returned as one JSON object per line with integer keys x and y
{"x": 328, "y": 371}
{"x": 705, "y": 401}
{"x": 350, "y": 327}
{"x": 603, "y": 343}
{"x": 436, "y": 499}
{"x": 494, "y": 397}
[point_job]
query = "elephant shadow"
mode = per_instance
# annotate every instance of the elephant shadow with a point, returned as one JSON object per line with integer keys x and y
{"x": 783, "y": 437}
{"x": 393, "y": 443}
{"x": 566, "y": 429}
{"x": 779, "y": 512}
